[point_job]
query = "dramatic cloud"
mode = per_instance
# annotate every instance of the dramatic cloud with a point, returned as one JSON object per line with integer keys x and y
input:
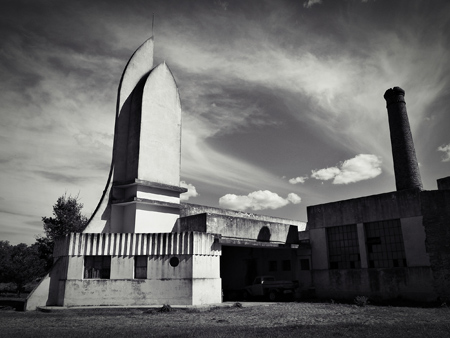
{"x": 361, "y": 167}
{"x": 268, "y": 89}
{"x": 446, "y": 150}
{"x": 300, "y": 179}
{"x": 192, "y": 192}
{"x": 257, "y": 200}
{"x": 310, "y": 3}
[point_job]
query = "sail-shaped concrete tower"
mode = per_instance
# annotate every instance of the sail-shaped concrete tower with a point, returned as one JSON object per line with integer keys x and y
{"x": 143, "y": 189}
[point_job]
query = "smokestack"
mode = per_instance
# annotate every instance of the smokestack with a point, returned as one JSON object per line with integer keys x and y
{"x": 406, "y": 168}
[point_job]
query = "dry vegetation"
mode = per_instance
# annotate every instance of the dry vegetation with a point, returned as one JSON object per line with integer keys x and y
{"x": 275, "y": 320}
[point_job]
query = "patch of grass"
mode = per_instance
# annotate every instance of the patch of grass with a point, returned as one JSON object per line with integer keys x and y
{"x": 277, "y": 320}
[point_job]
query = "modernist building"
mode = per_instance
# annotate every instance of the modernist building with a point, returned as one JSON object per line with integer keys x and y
{"x": 143, "y": 247}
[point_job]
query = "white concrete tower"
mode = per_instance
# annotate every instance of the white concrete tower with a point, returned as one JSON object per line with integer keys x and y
{"x": 143, "y": 189}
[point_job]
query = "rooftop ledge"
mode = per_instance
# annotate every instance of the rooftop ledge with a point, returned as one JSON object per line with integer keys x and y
{"x": 132, "y": 200}
{"x": 157, "y": 185}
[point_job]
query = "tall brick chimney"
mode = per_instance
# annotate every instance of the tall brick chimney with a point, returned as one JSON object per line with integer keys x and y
{"x": 406, "y": 168}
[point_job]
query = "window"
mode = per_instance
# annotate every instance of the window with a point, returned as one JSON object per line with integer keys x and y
{"x": 140, "y": 267}
{"x": 286, "y": 265}
{"x": 273, "y": 266}
{"x": 385, "y": 247}
{"x": 174, "y": 261}
{"x": 343, "y": 247}
{"x": 304, "y": 264}
{"x": 97, "y": 267}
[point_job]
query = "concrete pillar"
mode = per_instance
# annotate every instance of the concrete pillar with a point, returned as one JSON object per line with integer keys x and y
{"x": 406, "y": 168}
{"x": 362, "y": 245}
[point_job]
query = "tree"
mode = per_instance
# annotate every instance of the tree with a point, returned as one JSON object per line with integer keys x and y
{"x": 66, "y": 218}
{"x": 20, "y": 264}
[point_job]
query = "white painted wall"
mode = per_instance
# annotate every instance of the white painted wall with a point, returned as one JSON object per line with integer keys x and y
{"x": 152, "y": 220}
{"x": 127, "y": 292}
{"x": 160, "y": 142}
{"x": 122, "y": 267}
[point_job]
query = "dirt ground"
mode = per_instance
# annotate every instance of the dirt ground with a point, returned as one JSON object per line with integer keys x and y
{"x": 274, "y": 320}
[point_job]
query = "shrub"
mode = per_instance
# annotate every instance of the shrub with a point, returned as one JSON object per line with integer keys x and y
{"x": 166, "y": 308}
{"x": 361, "y": 301}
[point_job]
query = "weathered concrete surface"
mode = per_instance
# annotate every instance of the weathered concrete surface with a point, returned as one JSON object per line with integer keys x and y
{"x": 411, "y": 284}
{"x": 436, "y": 220}
{"x": 240, "y": 229}
{"x": 39, "y": 296}
{"x": 444, "y": 183}
{"x": 425, "y": 224}
{"x": 128, "y": 292}
{"x": 392, "y": 205}
{"x": 406, "y": 168}
{"x": 319, "y": 250}
{"x": 189, "y": 209}
{"x": 241, "y": 226}
{"x": 414, "y": 240}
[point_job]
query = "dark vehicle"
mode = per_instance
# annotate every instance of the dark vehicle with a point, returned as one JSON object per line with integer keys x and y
{"x": 268, "y": 287}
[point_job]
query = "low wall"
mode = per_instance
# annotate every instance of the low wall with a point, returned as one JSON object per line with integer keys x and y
{"x": 126, "y": 292}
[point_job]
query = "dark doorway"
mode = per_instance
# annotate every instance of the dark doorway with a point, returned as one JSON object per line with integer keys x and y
{"x": 239, "y": 266}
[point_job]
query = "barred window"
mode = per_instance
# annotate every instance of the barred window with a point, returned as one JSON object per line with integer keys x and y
{"x": 97, "y": 267}
{"x": 385, "y": 248}
{"x": 140, "y": 267}
{"x": 343, "y": 247}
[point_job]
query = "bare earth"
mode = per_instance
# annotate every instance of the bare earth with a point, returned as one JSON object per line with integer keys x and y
{"x": 274, "y": 320}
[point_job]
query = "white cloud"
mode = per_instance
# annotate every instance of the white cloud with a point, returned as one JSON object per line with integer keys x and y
{"x": 310, "y": 3}
{"x": 294, "y": 198}
{"x": 325, "y": 174}
{"x": 257, "y": 200}
{"x": 192, "y": 191}
{"x": 361, "y": 167}
{"x": 445, "y": 148}
{"x": 300, "y": 179}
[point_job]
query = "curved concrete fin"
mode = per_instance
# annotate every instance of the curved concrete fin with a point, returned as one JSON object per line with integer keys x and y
{"x": 160, "y": 134}
{"x": 139, "y": 64}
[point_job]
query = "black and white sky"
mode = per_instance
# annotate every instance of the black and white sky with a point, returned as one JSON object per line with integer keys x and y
{"x": 282, "y": 100}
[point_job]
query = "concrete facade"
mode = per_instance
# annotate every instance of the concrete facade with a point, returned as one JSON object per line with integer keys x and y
{"x": 414, "y": 281}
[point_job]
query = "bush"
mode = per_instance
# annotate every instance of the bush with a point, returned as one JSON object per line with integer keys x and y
{"x": 166, "y": 308}
{"x": 361, "y": 301}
